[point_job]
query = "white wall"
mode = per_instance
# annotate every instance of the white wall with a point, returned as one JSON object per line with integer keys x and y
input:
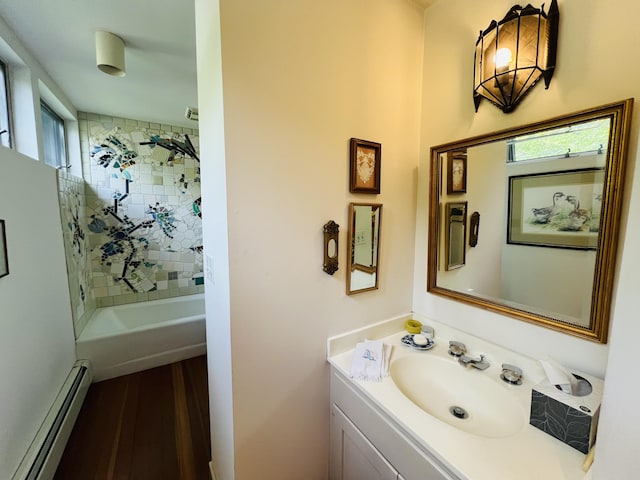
{"x": 214, "y": 226}
{"x": 300, "y": 79}
{"x": 594, "y": 68}
{"x": 37, "y": 347}
{"x": 29, "y": 83}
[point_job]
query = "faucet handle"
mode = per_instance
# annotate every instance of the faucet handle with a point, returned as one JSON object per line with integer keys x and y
{"x": 511, "y": 374}
{"x": 456, "y": 348}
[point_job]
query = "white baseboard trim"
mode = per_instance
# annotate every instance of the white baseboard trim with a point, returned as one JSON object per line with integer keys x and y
{"x": 41, "y": 459}
{"x": 211, "y": 471}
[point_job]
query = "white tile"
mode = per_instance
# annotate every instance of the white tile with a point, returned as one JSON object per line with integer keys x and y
{"x": 101, "y": 292}
{"x": 117, "y": 269}
{"x": 146, "y": 285}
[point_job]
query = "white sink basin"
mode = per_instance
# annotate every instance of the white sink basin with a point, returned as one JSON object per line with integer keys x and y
{"x": 443, "y": 388}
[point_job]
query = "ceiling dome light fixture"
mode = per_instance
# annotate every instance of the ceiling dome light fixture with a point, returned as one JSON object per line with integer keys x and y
{"x": 512, "y": 54}
{"x": 110, "y": 54}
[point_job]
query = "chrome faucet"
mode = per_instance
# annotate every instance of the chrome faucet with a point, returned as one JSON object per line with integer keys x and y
{"x": 479, "y": 363}
{"x": 458, "y": 349}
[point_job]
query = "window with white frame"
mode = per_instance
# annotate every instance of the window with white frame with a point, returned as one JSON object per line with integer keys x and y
{"x": 53, "y": 137}
{"x": 5, "y": 117}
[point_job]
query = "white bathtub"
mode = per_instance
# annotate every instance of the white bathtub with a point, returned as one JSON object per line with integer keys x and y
{"x": 129, "y": 338}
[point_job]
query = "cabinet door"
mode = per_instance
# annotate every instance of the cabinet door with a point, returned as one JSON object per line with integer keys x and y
{"x": 353, "y": 457}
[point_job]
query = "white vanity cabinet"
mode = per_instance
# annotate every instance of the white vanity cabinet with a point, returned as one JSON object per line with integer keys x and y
{"x": 379, "y": 432}
{"x": 367, "y": 445}
{"x": 353, "y": 456}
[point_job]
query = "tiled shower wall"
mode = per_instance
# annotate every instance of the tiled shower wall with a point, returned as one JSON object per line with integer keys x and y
{"x": 135, "y": 230}
{"x": 77, "y": 251}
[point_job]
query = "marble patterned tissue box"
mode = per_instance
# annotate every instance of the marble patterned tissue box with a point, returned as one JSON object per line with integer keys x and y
{"x": 569, "y": 418}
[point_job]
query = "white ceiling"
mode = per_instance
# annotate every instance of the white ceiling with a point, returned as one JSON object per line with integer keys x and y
{"x": 160, "y": 53}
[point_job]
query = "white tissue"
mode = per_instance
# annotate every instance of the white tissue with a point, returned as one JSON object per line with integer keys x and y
{"x": 560, "y": 376}
{"x": 370, "y": 361}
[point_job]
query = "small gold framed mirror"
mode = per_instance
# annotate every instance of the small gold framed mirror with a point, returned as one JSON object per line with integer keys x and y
{"x": 364, "y": 245}
{"x": 455, "y": 234}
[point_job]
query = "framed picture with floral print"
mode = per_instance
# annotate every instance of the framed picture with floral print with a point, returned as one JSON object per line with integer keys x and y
{"x": 365, "y": 160}
{"x": 457, "y": 172}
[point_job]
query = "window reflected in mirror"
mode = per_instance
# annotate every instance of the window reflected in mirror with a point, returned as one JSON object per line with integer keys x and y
{"x": 587, "y": 138}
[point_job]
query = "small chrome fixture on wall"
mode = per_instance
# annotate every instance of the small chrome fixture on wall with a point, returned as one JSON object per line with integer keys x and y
{"x": 512, "y": 54}
{"x": 191, "y": 113}
{"x": 331, "y": 230}
{"x": 110, "y": 54}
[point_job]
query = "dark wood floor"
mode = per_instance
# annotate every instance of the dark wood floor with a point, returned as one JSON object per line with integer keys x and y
{"x": 148, "y": 425}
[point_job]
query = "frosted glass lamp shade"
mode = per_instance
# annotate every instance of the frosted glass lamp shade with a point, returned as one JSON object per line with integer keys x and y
{"x": 110, "y": 54}
{"x": 514, "y": 53}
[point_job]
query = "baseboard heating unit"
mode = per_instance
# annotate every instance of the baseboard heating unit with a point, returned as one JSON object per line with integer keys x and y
{"x": 44, "y": 453}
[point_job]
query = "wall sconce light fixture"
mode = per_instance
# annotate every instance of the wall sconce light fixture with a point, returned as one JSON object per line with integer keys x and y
{"x": 110, "y": 54}
{"x": 512, "y": 54}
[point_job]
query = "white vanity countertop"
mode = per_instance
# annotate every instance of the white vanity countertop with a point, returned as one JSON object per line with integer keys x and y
{"x": 530, "y": 454}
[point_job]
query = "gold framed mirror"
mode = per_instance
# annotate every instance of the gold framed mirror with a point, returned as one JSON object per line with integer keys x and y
{"x": 550, "y": 196}
{"x": 364, "y": 245}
